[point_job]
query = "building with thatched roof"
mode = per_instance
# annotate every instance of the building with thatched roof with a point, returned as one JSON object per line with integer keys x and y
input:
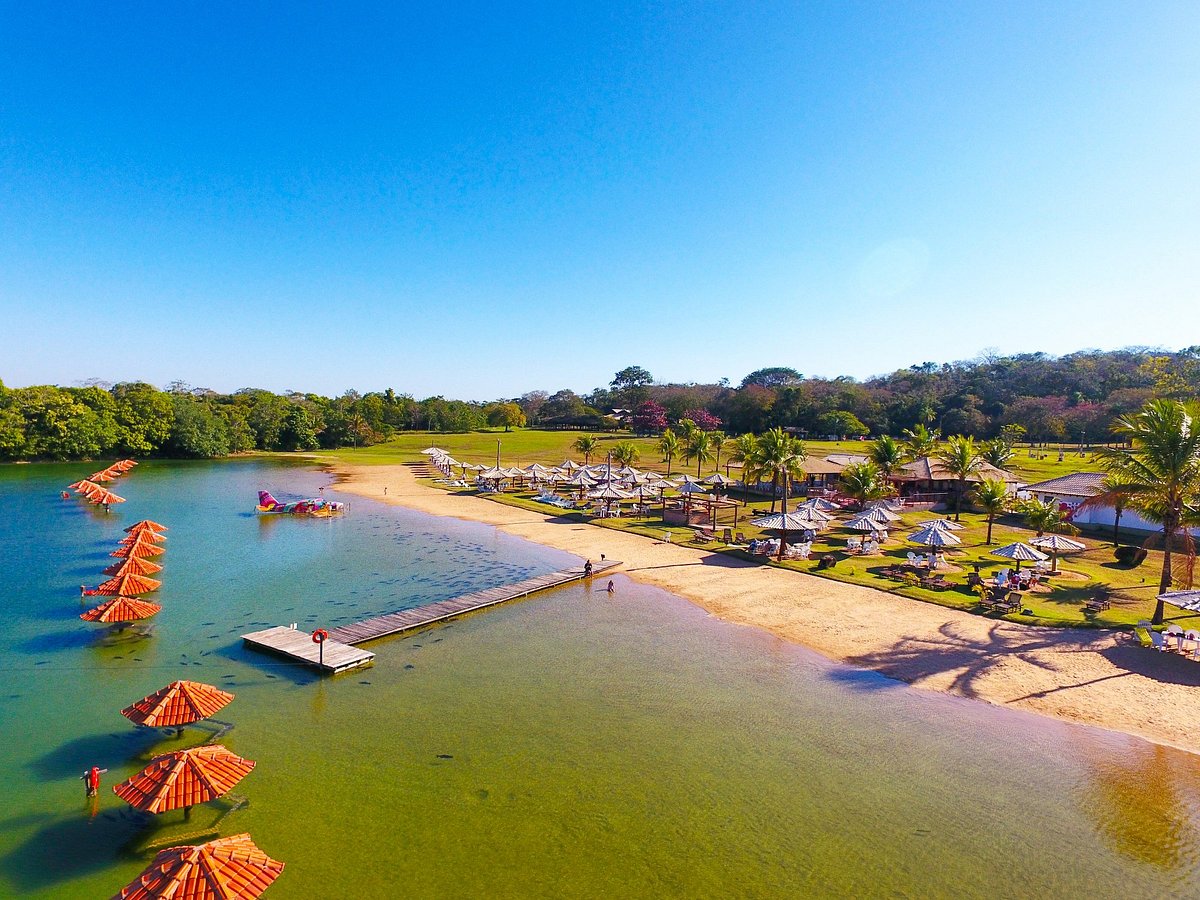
{"x": 928, "y": 479}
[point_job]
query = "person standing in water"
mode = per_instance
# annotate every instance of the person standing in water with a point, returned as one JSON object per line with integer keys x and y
{"x": 587, "y": 568}
{"x": 91, "y": 780}
{"x": 612, "y": 588}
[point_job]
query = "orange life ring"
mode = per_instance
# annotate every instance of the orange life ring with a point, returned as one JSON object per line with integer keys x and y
{"x": 320, "y": 636}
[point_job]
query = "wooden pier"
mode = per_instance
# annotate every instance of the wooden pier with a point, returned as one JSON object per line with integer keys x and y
{"x": 332, "y": 657}
{"x": 420, "y": 616}
{"x": 340, "y": 652}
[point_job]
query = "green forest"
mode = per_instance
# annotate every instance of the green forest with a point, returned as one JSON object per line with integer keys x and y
{"x": 1067, "y": 398}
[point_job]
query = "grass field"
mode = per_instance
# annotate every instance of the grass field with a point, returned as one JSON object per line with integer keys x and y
{"x": 1060, "y": 602}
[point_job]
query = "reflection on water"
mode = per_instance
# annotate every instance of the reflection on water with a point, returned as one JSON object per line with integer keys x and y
{"x": 1147, "y": 805}
{"x": 569, "y": 745}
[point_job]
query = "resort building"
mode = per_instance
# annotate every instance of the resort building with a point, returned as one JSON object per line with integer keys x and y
{"x": 1069, "y": 492}
{"x": 926, "y": 480}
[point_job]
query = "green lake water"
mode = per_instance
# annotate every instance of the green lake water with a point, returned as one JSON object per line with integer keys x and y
{"x": 567, "y": 745}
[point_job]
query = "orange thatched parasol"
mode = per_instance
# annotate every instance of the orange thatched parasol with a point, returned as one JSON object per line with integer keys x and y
{"x": 103, "y": 475}
{"x": 85, "y": 487}
{"x": 133, "y": 566}
{"x": 121, "y": 609}
{"x": 129, "y": 584}
{"x": 179, "y": 703}
{"x": 184, "y": 778}
{"x": 123, "y": 465}
{"x": 143, "y": 536}
{"x": 141, "y": 550}
{"x": 230, "y": 868}
{"x": 105, "y": 496}
{"x": 138, "y": 550}
{"x": 147, "y": 525}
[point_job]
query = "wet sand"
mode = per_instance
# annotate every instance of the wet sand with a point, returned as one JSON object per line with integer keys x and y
{"x": 1087, "y": 676}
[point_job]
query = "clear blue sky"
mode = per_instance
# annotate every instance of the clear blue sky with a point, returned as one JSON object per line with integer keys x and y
{"x": 480, "y": 201}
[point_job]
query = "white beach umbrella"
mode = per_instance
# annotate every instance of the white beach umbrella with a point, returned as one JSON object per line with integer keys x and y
{"x": 569, "y": 465}
{"x": 931, "y": 536}
{"x": 692, "y": 487}
{"x": 609, "y": 492}
{"x": 537, "y": 469}
{"x": 944, "y": 524}
{"x": 793, "y": 521}
{"x": 881, "y": 514}
{"x": 720, "y": 479}
{"x": 1019, "y": 552}
{"x": 493, "y": 474}
{"x": 1057, "y": 545}
{"x": 820, "y": 504}
{"x": 1189, "y": 600}
{"x": 865, "y": 523}
{"x": 432, "y": 451}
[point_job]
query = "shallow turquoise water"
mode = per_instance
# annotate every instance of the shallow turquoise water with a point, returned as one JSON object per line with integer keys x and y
{"x": 566, "y": 745}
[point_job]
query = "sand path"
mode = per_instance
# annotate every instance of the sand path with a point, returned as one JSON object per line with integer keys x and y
{"x": 1094, "y": 677}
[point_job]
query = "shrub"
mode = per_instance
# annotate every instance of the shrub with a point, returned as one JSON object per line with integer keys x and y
{"x": 1130, "y": 556}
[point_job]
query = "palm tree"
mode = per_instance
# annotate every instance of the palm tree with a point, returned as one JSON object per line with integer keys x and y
{"x": 1159, "y": 476}
{"x": 962, "y": 460}
{"x": 625, "y": 453}
{"x": 920, "y": 441}
{"x": 992, "y": 495}
{"x": 998, "y": 452}
{"x": 587, "y": 446}
{"x": 745, "y": 446}
{"x": 887, "y": 454}
{"x": 669, "y": 447}
{"x": 1043, "y": 517}
{"x": 865, "y": 482}
{"x": 698, "y": 446}
{"x": 781, "y": 456}
{"x": 717, "y": 439}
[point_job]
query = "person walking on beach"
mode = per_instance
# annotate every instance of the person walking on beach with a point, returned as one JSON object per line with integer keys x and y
{"x": 91, "y": 780}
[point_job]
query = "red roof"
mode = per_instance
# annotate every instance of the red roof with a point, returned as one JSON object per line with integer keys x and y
{"x": 184, "y": 778}
{"x": 179, "y": 703}
{"x": 121, "y": 609}
{"x": 132, "y": 565}
{"x": 129, "y": 584}
{"x": 147, "y": 524}
{"x": 230, "y": 868}
{"x": 140, "y": 549}
{"x": 142, "y": 536}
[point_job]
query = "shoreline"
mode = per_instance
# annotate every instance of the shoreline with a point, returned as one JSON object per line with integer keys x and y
{"x": 1085, "y": 676}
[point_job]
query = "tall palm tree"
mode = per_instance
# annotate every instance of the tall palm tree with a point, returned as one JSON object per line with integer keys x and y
{"x": 962, "y": 460}
{"x": 626, "y": 453}
{"x": 998, "y": 452}
{"x": 1159, "y": 476}
{"x": 698, "y": 446}
{"x": 745, "y": 446}
{"x": 865, "y": 482}
{"x": 718, "y": 442}
{"x": 669, "y": 447}
{"x": 992, "y": 495}
{"x": 587, "y": 446}
{"x": 781, "y": 456}
{"x": 920, "y": 441}
{"x": 887, "y": 454}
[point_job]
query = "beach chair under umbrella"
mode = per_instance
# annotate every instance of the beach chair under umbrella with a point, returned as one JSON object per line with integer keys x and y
{"x": 179, "y": 703}
{"x": 1019, "y": 552}
{"x": 183, "y": 779}
{"x": 121, "y": 610}
{"x": 1056, "y": 545}
{"x": 229, "y": 868}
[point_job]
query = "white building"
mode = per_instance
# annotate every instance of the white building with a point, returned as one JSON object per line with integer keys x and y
{"x": 1069, "y": 491}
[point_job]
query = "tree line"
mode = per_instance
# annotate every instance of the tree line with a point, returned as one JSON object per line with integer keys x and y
{"x": 1072, "y": 397}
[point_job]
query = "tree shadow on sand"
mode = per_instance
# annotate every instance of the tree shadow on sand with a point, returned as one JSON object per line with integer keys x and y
{"x": 968, "y": 657}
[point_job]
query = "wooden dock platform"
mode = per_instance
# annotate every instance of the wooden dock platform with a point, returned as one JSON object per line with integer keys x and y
{"x": 298, "y": 645}
{"x": 420, "y": 616}
{"x": 340, "y": 652}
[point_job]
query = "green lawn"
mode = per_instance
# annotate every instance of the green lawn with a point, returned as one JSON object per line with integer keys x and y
{"x": 1132, "y": 588}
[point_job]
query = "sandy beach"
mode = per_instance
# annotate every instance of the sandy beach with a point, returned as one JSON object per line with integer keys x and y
{"x": 1093, "y": 677}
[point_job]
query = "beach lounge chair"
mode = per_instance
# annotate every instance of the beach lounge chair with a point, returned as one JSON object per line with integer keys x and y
{"x": 1158, "y": 642}
{"x": 739, "y": 538}
{"x": 853, "y": 545}
{"x": 727, "y": 536}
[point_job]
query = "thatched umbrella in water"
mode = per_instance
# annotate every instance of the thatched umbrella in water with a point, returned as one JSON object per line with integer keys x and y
{"x": 1056, "y": 544}
{"x": 179, "y": 703}
{"x": 146, "y": 525}
{"x": 182, "y": 779}
{"x": 129, "y": 584}
{"x": 132, "y": 566}
{"x": 229, "y": 868}
{"x": 139, "y": 550}
{"x": 121, "y": 610}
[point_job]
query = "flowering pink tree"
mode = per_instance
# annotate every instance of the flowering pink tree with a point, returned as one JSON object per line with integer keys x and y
{"x": 703, "y": 419}
{"x": 649, "y": 418}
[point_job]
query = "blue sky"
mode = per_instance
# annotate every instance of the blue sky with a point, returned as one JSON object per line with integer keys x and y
{"x": 488, "y": 200}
